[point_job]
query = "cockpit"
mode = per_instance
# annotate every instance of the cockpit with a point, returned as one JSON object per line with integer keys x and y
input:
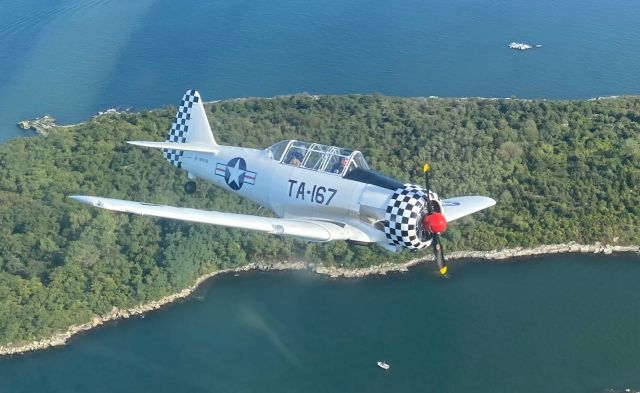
{"x": 317, "y": 157}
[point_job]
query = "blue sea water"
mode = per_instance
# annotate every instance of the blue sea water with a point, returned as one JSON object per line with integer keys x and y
{"x": 566, "y": 323}
{"x": 71, "y": 58}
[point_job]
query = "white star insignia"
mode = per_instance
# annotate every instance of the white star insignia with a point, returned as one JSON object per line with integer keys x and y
{"x": 235, "y": 173}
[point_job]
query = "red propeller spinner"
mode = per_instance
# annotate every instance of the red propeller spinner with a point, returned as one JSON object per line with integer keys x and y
{"x": 434, "y": 222}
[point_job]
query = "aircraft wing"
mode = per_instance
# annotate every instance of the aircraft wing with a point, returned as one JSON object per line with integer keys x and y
{"x": 457, "y": 207}
{"x": 307, "y": 229}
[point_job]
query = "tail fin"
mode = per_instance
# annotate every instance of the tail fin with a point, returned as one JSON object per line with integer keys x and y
{"x": 189, "y": 126}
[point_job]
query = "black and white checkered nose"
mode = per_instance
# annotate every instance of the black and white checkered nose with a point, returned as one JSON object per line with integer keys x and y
{"x": 403, "y": 215}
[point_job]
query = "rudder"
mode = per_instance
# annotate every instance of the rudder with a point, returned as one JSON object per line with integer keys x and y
{"x": 189, "y": 126}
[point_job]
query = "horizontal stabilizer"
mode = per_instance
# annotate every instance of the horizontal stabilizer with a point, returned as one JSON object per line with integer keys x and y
{"x": 313, "y": 230}
{"x": 458, "y": 207}
{"x": 177, "y": 146}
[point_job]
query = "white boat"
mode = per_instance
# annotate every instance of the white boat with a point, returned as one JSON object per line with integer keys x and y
{"x": 383, "y": 365}
{"x": 519, "y": 46}
{"x": 522, "y": 46}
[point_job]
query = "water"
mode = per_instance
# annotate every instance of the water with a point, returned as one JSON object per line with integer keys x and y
{"x": 552, "y": 324}
{"x": 72, "y": 58}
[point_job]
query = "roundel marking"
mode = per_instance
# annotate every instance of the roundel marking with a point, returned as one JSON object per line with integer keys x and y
{"x": 235, "y": 173}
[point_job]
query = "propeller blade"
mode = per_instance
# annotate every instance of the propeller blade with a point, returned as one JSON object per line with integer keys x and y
{"x": 436, "y": 244}
{"x": 425, "y": 168}
{"x": 439, "y": 254}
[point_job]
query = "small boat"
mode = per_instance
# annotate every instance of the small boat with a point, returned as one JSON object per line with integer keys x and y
{"x": 519, "y": 46}
{"x": 522, "y": 46}
{"x": 383, "y": 365}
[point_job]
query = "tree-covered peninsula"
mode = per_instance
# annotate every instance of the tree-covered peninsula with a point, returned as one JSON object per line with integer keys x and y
{"x": 560, "y": 170}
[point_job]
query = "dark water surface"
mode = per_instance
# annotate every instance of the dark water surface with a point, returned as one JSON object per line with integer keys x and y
{"x": 566, "y": 323}
{"x": 72, "y": 58}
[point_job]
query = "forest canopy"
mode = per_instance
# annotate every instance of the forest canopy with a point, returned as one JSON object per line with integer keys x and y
{"x": 560, "y": 171}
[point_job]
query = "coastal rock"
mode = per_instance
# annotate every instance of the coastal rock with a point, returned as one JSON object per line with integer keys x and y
{"x": 110, "y": 111}
{"x": 58, "y": 341}
{"x": 41, "y": 125}
{"x": 277, "y": 266}
{"x": 335, "y": 272}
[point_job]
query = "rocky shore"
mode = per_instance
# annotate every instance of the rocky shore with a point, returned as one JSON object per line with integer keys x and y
{"x": 116, "y": 313}
{"x": 482, "y": 255}
{"x": 41, "y": 125}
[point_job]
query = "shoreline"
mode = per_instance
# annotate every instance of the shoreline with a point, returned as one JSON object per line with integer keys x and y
{"x": 25, "y": 124}
{"x": 60, "y": 339}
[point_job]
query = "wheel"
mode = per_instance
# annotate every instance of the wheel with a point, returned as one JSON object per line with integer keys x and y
{"x": 190, "y": 187}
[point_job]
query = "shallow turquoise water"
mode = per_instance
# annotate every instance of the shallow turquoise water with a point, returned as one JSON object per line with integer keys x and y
{"x": 72, "y": 58}
{"x": 552, "y": 324}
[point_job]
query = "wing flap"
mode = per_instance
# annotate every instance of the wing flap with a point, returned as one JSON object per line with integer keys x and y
{"x": 458, "y": 207}
{"x": 313, "y": 230}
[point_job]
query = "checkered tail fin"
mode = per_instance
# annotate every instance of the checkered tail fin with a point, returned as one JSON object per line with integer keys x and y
{"x": 189, "y": 126}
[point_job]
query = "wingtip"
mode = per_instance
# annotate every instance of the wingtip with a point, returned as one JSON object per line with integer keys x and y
{"x": 87, "y": 200}
{"x": 78, "y": 198}
{"x": 136, "y": 143}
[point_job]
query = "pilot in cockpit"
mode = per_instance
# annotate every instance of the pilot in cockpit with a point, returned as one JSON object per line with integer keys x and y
{"x": 340, "y": 165}
{"x": 295, "y": 158}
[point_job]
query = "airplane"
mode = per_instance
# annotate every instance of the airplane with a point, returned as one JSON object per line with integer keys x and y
{"x": 318, "y": 193}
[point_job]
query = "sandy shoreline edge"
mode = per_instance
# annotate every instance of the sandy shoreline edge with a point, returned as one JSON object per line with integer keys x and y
{"x": 116, "y": 313}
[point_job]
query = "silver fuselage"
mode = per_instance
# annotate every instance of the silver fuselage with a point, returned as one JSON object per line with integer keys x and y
{"x": 294, "y": 192}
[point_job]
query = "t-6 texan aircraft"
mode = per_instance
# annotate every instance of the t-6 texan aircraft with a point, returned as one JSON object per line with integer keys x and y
{"x": 318, "y": 192}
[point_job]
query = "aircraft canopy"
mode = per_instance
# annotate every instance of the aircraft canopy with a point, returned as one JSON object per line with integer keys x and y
{"x": 317, "y": 157}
